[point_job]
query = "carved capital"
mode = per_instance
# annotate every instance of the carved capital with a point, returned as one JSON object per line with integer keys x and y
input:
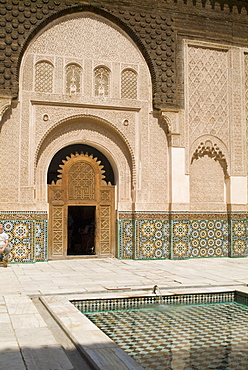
{"x": 5, "y": 103}
{"x": 171, "y": 120}
{"x": 172, "y": 125}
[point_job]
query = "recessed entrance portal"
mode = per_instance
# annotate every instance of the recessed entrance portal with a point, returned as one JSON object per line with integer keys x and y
{"x": 81, "y": 230}
{"x": 81, "y": 209}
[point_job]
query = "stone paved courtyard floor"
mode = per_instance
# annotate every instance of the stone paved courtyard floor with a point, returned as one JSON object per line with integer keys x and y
{"x": 27, "y": 341}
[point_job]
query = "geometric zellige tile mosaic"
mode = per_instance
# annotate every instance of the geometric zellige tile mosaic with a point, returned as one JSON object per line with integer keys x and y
{"x": 182, "y": 238}
{"x": 239, "y": 234}
{"x": 27, "y": 239}
{"x": 152, "y": 240}
{"x": 196, "y": 337}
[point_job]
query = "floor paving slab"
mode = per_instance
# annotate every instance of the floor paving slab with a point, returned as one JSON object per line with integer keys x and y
{"x": 12, "y": 360}
{"x": 45, "y": 337}
{"x": 28, "y": 341}
{"x": 46, "y": 357}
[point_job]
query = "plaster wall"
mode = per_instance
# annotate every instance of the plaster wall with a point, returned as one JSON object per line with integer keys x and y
{"x": 179, "y": 180}
{"x": 238, "y": 190}
{"x": 179, "y": 171}
{"x": 91, "y": 41}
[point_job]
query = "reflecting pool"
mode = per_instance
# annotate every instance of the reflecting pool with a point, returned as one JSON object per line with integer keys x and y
{"x": 170, "y": 336}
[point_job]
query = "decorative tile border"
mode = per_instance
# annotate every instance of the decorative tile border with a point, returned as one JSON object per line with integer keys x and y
{"x": 241, "y": 297}
{"x": 23, "y": 215}
{"x": 27, "y": 235}
{"x": 143, "y": 216}
{"x": 182, "y": 235}
{"x": 114, "y": 304}
{"x": 41, "y": 252}
{"x": 21, "y": 239}
{"x": 125, "y": 239}
{"x": 167, "y": 237}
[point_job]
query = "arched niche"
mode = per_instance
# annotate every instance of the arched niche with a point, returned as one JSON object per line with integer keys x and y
{"x": 209, "y": 175}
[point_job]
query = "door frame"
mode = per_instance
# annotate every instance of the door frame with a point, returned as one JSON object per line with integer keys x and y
{"x": 66, "y": 192}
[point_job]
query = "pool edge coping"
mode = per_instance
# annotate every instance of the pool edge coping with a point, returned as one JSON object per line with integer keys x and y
{"x": 95, "y": 345}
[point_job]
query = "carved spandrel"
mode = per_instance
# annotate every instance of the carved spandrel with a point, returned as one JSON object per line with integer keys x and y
{"x": 55, "y": 193}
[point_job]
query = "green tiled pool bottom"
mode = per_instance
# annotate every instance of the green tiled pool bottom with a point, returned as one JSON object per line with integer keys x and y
{"x": 180, "y": 337}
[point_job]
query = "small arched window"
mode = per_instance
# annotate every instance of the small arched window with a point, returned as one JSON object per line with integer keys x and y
{"x": 73, "y": 79}
{"x": 129, "y": 84}
{"x": 102, "y": 76}
{"x": 44, "y": 77}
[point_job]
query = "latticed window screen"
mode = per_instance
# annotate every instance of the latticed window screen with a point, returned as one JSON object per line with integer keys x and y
{"x": 73, "y": 79}
{"x": 44, "y": 77}
{"x": 129, "y": 84}
{"x": 81, "y": 180}
{"x": 102, "y": 75}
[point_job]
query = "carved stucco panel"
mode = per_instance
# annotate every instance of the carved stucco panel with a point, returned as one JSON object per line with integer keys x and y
{"x": 238, "y": 127}
{"x": 143, "y": 161}
{"x": 73, "y": 37}
{"x": 25, "y": 137}
{"x": 246, "y": 99}
{"x": 159, "y": 165}
{"x": 47, "y": 116}
{"x": 27, "y": 81}
{"x": 90, "y": 41}
{"x": 207, "y": 92}
{"x": 59, "y": 75}
{"x": 10, "y": 157}
{"x": 91, "y": 135}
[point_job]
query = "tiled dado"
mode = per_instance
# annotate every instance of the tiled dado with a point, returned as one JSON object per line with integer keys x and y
{"x": 141, "y": 235}
{"x": 182, "y": 235}
{"x": 239, "y": 237}
{"x": 147, "y": 238}
{"x": 27, "y": 235}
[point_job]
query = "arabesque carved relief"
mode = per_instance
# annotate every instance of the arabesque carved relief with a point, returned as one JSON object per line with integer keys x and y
{"x": 208, "y": 99}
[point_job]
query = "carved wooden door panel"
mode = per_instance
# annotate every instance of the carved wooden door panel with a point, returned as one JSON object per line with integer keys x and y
{"x": 81, "y": 183}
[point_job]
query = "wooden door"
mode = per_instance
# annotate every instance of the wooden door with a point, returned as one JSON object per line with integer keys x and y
{"x": 81, "y": 183}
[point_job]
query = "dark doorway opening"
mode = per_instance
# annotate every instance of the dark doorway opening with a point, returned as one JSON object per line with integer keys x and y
{"x": 81, "y": 230}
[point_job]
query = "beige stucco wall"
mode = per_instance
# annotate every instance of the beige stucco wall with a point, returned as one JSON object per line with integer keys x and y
{"x": 171, "y": 163}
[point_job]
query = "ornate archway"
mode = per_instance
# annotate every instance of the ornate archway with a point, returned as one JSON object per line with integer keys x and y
{"x": 81, "y": 184}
